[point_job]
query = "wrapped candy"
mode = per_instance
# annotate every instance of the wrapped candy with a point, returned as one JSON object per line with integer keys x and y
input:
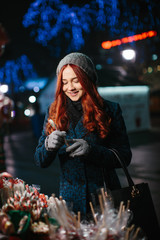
{"x": 19, "y": 186}
{"x": 40, "y": 227}
{"x": 49, "y": 217}
{"x": 6, "y": 189}
{"x": 22, "y": 223}
{"x": 57, "y": 209}
{"x": 6, "y": 226}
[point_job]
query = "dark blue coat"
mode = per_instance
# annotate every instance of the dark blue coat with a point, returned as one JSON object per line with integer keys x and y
{"x": 81, "y": 176}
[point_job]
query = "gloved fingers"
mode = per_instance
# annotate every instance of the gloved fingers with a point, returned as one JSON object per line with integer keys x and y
{"x": 56, "y": 138}
{"x": 53, "y": 145}
{"x": 58, "y": 133}
{"x": 82, "y": 150}
{"x": 57, "y": 144}
{"x": 73, "y": 147}
{"x": 77, "y": 152}
{"x": 77, "y": 149}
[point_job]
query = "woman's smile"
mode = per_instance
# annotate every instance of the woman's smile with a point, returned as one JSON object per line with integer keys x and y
{"x": 73, "y": 93}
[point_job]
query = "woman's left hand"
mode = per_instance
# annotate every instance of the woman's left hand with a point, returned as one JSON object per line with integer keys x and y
{"x": 80, "y": 147}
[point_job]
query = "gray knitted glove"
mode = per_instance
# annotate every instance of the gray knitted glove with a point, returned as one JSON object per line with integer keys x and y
{"x": 80, "y": 147}
{"x": 55, "y": 140}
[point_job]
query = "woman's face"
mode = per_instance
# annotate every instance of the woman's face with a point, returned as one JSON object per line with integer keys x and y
{"x": 71, "y": 86}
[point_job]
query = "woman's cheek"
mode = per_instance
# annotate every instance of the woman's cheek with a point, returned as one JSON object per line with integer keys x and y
{"x": 64, "y": 88}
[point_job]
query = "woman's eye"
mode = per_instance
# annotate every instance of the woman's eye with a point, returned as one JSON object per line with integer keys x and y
{"x": 64, "y": 83}
{"x": 76, "y": 81}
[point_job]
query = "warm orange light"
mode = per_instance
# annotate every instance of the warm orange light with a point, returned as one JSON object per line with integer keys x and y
{"x": 152, "y": 33}
{"x": 125, "y": 40}
{"x": 116, "y": 42}
{"x": 144, "y": 35}
{"x": 107, "y": 45}
{"x": 131, "y": 39}
{"x": 137, "y": 37}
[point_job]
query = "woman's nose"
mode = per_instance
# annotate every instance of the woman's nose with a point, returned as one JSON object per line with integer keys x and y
{"x": 71, "y": 86}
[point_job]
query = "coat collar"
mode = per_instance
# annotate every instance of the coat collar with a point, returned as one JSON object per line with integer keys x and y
{"x": 79, "y": 131}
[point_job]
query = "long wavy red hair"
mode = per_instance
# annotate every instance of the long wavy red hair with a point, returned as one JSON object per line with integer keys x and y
{"x": 94, "y": 117}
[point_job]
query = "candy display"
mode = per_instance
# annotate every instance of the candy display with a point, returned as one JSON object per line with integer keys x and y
{"x": 25, "y": 213}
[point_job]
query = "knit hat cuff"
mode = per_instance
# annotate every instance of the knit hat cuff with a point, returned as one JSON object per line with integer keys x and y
{"x": 82, "y": 61}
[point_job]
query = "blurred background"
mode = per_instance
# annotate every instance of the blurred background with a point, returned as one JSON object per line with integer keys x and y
{"x": 123, "y": 40}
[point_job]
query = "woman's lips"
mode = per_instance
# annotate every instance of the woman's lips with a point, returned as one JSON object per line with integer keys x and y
{"x": 73, "y": 93}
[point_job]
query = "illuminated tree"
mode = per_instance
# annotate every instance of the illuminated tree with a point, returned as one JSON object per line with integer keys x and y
{"x": 64, "y": 25}
{"x": 15, "y": 72}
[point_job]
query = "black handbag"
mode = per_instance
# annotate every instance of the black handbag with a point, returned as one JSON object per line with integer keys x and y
{"x": 141, "y": 203}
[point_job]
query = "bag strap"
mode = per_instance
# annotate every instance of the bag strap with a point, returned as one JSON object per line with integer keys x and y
{"x": 124, "y": 167}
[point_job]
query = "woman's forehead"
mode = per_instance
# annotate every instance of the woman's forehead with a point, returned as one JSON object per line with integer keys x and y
{"x": 68, "y": 72}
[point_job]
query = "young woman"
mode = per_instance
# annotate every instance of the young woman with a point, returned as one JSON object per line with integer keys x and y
{"x": 82, "y": 128}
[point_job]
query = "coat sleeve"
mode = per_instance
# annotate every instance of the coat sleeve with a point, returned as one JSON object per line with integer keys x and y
{"x": 101, "y": 155}
{"x": 42, "y": 157}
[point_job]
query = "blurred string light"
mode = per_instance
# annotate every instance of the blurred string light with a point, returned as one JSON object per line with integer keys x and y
{"x": 154, "y": 57}
{"x": 13, "y": 114}
{"x": 36, "y": 89}
{"x": 32, "y": 99}
{"x": 150, "y": 69}
{"x": 15, "y": 72}
{"x": 54, "y": 23}
{"x": 3, "y": 88}
{"x": 29, "y": 112}
{"x": 109, "y": 60}
{"x": 137, "y": 37}
{"x": 98, "y": 66}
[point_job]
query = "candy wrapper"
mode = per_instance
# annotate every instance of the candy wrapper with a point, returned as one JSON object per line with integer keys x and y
{"x": 6, "y": 190}
{"x": 8, "y": 187}
{"x": 18, "y": 186}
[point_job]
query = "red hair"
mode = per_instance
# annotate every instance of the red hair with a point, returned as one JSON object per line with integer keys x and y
{"x": 94, "y": 117}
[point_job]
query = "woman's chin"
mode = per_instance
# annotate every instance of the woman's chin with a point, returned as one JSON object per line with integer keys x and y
{"x": 74, "y": 98}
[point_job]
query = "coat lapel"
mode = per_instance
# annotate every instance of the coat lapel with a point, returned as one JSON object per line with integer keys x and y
{"x": 78, "y": 132}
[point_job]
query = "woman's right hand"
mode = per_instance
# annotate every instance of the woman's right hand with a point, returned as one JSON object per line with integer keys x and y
{"x": 55, "y": 140}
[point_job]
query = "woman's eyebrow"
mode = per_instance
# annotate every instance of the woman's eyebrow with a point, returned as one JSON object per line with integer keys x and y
{"x": 67, "y": 79}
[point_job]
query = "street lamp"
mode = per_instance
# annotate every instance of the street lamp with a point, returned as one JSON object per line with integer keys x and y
{"x": 32, "y": 99}
{"x": 129, "y": 54}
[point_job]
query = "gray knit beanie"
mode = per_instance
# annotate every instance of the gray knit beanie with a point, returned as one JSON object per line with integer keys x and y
{"x": 82, "y": 61}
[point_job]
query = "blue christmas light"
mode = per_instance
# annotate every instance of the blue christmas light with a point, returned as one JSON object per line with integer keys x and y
{"x": 53, "y": 23}
{"x": 15, "y": 72}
